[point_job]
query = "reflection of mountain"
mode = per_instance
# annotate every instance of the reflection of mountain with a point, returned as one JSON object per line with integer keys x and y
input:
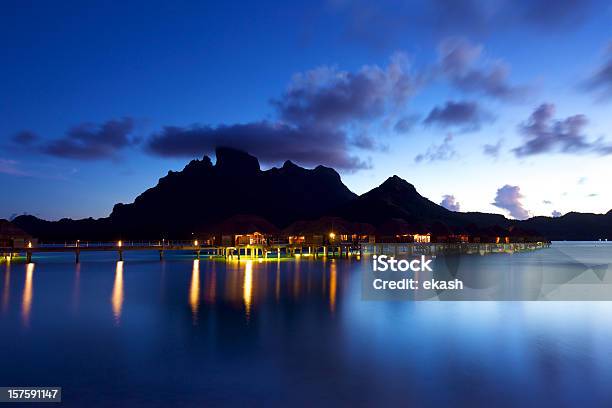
{"x": 202, "y": 195}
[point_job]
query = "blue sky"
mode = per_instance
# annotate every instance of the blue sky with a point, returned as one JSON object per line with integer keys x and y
{"x": 99, "y": 100}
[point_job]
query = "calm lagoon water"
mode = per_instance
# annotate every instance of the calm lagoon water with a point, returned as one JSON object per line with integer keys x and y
{"x": 214, "y": 333}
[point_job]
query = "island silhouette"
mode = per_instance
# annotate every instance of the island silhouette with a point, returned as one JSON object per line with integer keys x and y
{"x": 235, "y": 193}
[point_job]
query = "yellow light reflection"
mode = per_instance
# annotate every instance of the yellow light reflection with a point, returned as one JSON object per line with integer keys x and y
{"x": 6, "y": 293}
{"x": 247, "y": 288}
{"x": 194, "y": 290}
{"x": 117, "y": 296}
{"x": 332, "y": 286}
{"x": 26, "y": 304}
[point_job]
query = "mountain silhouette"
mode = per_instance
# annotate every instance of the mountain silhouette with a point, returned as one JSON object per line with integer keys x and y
{"x": 203, "y": 196}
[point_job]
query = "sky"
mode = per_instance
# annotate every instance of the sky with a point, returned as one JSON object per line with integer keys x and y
{"x": 498, "y": 106}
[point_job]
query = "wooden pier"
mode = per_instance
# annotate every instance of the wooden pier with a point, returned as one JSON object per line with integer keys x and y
{"x": 273, "y": 250}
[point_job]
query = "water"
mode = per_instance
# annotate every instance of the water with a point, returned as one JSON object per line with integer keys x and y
{"x": 210, "y": 333}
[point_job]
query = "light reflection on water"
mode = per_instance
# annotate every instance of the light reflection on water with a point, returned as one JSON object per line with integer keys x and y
{"x": 247, "y": 288}
{"x": 333, "y": 278}
{"x": 308, "y": 337}
{"x": 26, "y": 305}
{"x": 194, "y": 290}
{"x": 117, "y": 295}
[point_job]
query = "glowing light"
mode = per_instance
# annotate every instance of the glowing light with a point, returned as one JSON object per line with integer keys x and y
{"x": 333, "y": 278}
{"x": 247, "y": 288}
{"x": 195, "y": 243}
{"x": 117, "y": 296}
{"x": 120, "y": 243}
{"x": 332, "y": 235}
{"x": 29, "y": 244}
{"x": 26, "y": 304}
{"x": 194, "y": 290}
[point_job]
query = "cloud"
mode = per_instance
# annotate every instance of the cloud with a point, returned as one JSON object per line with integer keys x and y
{"x": 322, "y": 114}
{"x": 492, "y": 150}
{"x": 545, "y": 134}
{"x": 582, "y": 180}
{"x": 86, "y": 141}
{"x": 600, "y": 81}
{"x": 546, "y": 202}
{"x": 556, "y": 214}
{"x": 509, "y": 198}
{"x": 329, "y": 97}
{"x": 449, "y": 202}
{"x": 271, "y": 142}
{"x": 405, "y": 124}
{"x": 443, "y": 151}
{"x": 25, "y": 138}
{"x": 593, "y": 195}
{"x": 464, "y": 114}
{"x": 459, "y": 63}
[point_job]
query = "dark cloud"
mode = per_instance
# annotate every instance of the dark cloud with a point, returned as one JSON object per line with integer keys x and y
{"x": 492, "y": 149}
{"x": 323, "y": 114}
{"x": 329, "y": 97}
{"x": 92, "y": 142}
{"x": 437, "y": 152}
{"x": 450, "y": 203}
{"x": 601, "y": 80}
{"x": 270, "y": 142}
{"x": 509, "y": 198}
{"x": 459, "y": 62}
{"x": 556, "y": 214}
{"x": 25, "y": 138}
{"x": 544, "y": 134}
{"x": 406, "y": 124}
{"x": 364, "y": 141}
{"x": 468, "y": 116}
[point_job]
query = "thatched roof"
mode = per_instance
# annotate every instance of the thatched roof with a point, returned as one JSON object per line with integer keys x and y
{"x": 8, "y": 230}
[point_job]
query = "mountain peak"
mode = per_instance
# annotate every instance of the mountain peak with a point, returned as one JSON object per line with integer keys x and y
{"x": 195, "y": 165}
{"x": 397, "y": 183}
{"x": 236, "y": 161}
{"x": 288, "y": 164}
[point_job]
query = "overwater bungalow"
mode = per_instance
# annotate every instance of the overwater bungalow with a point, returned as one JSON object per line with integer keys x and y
{"x": 12, "y": 236}
{"x": 397, "y": 230}
{"x": 241, "y": 230}
{"x": 328, "y": 230}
